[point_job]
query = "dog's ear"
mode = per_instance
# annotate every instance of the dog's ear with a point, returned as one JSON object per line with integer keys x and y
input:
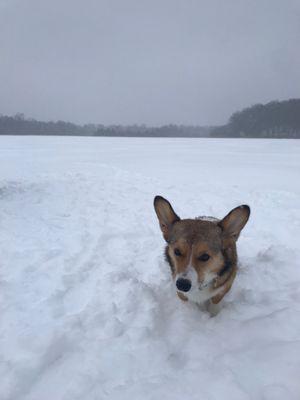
{"x": 165, "y": 215}
{"x": 235, "y": 221}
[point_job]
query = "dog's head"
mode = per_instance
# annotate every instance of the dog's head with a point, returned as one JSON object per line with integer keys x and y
{"x": 199, "y": 250}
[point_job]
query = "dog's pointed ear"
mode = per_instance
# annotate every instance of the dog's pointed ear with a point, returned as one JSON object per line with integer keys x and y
{"x": 235, "y": 221}
{"x": 165, "y": 214}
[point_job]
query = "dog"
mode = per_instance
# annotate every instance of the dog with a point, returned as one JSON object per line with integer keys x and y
{"x": 201, "y": 252}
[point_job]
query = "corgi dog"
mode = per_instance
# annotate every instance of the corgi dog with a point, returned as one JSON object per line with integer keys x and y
{"x": 201, "y": 252}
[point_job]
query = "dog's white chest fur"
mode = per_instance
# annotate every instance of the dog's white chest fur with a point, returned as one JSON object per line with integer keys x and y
{"x": 199, "y": 296}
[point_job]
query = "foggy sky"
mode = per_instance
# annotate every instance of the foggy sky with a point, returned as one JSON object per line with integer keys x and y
{"x": 152, "y": 62}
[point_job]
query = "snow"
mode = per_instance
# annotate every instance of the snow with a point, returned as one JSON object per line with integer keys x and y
{"x": 88, "y": 309}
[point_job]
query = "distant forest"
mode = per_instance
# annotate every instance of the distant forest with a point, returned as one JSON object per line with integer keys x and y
{"x": 162, "y": 131}
{"x": 19, "y": 125}
{"x": 277, "y": 119}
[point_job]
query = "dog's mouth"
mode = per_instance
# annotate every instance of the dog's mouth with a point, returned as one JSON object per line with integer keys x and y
{"x": 186, "y": 283}
{"x": 185, "y": 286}
{"x": 203, "y": 286}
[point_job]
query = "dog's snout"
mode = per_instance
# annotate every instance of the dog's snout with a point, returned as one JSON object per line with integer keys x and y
{"x": 183, "y": 284}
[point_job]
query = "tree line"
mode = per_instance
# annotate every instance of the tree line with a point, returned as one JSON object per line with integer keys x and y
{"x": 277, "y": 119}
{"x": 19, "y": 125}
{"x": 162, "y": 131}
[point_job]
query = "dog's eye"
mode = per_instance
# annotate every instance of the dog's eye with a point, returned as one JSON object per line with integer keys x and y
{"x": 177, "y": 252}
{"x": 204, "y": 257}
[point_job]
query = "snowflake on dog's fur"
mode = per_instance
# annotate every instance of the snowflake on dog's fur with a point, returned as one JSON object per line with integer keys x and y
{"x": 208, "y": 218}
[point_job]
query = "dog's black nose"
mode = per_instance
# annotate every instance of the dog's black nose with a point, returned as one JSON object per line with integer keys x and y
{"x": 183, "y": 284}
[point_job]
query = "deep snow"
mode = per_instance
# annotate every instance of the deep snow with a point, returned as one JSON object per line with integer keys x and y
{"x": 87, "y": 306}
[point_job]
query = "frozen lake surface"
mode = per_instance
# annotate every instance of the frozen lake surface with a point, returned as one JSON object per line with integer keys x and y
{"x": 87, "y": 306}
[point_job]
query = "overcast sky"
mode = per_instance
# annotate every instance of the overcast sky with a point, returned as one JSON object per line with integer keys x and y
{"x": 152, "y": 62}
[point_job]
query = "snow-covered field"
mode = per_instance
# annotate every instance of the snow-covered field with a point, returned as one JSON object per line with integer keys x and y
{"x": 87, "y": 307}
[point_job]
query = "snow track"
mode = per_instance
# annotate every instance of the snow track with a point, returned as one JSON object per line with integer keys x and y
{"x": 88, "y": 309}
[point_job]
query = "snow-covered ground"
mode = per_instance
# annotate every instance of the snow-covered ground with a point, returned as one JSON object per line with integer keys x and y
{"x": 87, "y": 307}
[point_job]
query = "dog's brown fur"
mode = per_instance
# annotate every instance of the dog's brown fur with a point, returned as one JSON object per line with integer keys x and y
{"x": 193, "y": 238}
